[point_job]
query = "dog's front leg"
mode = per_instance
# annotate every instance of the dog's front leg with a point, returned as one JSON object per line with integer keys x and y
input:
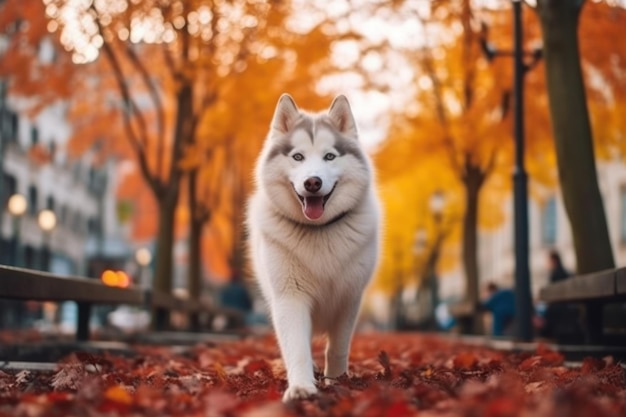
{"x": 292, "y": 323}
{"x": 339, "y": 338}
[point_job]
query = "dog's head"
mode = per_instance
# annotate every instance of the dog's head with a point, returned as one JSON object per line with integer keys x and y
{"x": 312, "y": 166}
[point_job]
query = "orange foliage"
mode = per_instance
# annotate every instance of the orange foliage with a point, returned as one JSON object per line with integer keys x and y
{"x": 28, "y": 71}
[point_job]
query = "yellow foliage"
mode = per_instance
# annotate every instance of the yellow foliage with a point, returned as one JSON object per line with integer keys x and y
{"x": 406, "y": 210}
{"x": 461, "y": 113}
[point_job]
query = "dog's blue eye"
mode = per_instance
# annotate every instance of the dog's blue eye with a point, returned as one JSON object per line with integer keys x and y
{"x": 329, "y": 157}
{"x": 298, "y": 156}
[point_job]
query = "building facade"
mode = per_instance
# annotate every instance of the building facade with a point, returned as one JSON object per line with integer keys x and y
{"x": 35, "y": 165}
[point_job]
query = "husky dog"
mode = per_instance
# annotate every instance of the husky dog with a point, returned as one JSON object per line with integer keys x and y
{"x": 314, "y": 229}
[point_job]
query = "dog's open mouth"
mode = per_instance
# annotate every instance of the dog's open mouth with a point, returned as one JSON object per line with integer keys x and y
{"x": 313, "y": 206}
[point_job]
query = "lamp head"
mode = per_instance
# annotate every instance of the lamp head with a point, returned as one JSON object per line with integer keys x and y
{"x": 143, "y": 256}
{"x": 437, "y": 202}
{"x": 47, "y": 220}
{"x": 17, "y": 205}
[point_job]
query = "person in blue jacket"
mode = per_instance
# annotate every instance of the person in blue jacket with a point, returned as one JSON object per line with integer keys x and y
{"x": 501, "y": 304}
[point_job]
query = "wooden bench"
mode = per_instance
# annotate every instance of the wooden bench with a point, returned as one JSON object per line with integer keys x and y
{"x": 464, "y": 313}
{"x": 594, "y": 291}
{"x": 25, "y": 284}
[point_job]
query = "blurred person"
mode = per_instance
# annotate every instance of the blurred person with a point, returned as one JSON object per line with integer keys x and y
{"x": 501, "y": 304}
{"x": 557, "y": 271}
{"x": 558, "y": 321}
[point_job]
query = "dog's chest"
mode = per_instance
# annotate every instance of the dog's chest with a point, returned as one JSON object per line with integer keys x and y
{"x": 331, "y": 249}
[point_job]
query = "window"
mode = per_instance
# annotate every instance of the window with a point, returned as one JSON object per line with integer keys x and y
{"x": 548, "y": 222}
{"x": 10, "y": 125}
{"x": 34, "y": 136}
{"x": 50, "y": 203}
{"x": 93, "y": 226}
{"x": 32, "y": 200}
{"x": 9, "y": 187}
{"x": 30, "y": 257}
{"x": 14, "y": 126}
{"x": 92, "y": 180}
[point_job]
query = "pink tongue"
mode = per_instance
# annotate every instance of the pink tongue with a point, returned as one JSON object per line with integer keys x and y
{"x": 313, "y": 207}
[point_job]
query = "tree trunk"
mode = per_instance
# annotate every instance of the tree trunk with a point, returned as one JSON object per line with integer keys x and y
{"x": 164, "y": 258}
{"x": 194, "y": 275}
{"x": 194, "y": 272}
{"x": 164, "y": 246}
{"x": 167, "y": 198}
{"x": 572, "y": 134}
{"x": 473, "y": 180}
{"x": 237, "y": 257}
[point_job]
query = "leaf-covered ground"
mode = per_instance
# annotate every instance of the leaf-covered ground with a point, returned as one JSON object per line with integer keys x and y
{"x": 391, "y": 375}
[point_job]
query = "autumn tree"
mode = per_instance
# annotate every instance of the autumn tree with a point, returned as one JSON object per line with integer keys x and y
{"x": 460, "y": 113}
{"x": 418, "y": 136}
{"x": 456, "y": 126}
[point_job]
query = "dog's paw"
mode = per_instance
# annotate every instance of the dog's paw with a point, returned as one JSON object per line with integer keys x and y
{"x": 299, "y": 392}
{"x": 334, "y": 380}
{"x": 328, "y": 381}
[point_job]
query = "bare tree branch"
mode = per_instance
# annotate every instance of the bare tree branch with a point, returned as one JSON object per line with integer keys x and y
{"x": 438, "y": 93}
{"x": 158, "y": 105}
{"x": 469, "y": 43}
{"x": 138, "y": 139}
{"x": 169, "y": 62}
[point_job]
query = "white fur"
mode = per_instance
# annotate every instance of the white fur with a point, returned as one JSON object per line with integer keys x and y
{"x": 313, "y": 275}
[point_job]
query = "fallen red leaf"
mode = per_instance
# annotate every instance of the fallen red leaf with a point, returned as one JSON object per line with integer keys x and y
{"x": 391, "y": 375}
{"x": 118, "y": 394}
{"x": 465, "y": 360}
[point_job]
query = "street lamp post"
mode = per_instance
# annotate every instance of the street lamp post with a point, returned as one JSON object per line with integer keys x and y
{"x": 143, "y": 256}
{"x": 17, "y": 206}
{"x": 520, "y": 183}
{"x": 47, "y": 222}
{"x": 523, "y": 300}
{"x": 437, "y": 204}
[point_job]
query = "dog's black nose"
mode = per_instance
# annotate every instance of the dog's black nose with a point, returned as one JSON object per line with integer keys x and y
{"x": 313, "y": 184}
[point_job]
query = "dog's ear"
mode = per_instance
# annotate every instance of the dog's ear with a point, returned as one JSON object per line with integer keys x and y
{"x": 341, "y": 117}
{"x": 285, "y": 115}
